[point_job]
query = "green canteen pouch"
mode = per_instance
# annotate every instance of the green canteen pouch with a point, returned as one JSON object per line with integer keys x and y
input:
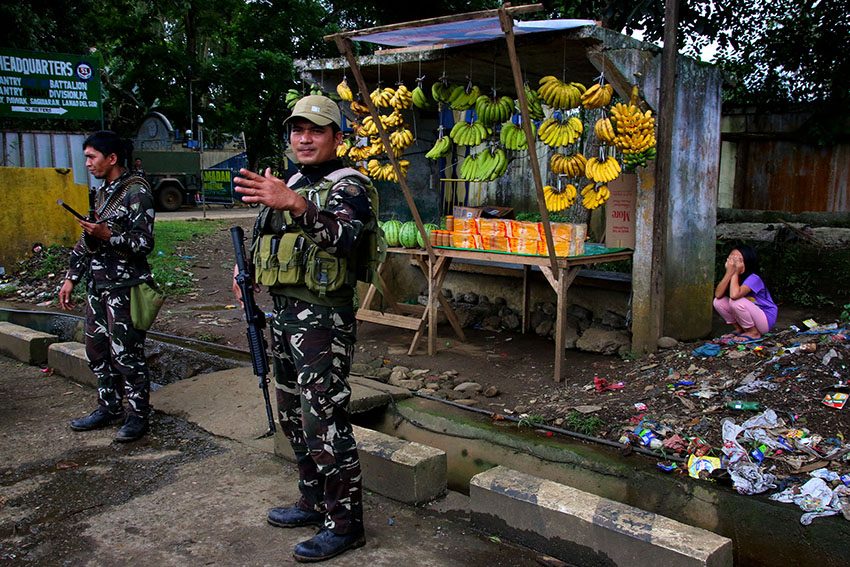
{"x": 325, "y": 272}
{"x": 146, "y": 299}
{"x": 290, "y": 264}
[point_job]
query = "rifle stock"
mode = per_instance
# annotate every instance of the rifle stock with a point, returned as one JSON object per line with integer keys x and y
{"x": 256, "y": 321}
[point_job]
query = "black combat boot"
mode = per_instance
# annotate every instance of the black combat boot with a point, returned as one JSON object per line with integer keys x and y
{"x": 294, "y": 517}
{"x": 134, "y": 428}
{"x": 327, "y": 544}
{"x": 101, "y": 417}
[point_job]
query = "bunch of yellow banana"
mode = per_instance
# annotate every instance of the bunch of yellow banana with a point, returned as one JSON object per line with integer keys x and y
{"x": 559, "y": 199}
{"x": 494, "y": 110}
{"x": 344, "y": 147}
{"x": 463, "y": 98}
{"x": 382, "y": 97}
{"x": 593, "y": 196}
{"x": 400, "y": 140}
{"x": 361, "y": 153}
{"x": 486, "y": 166}
{"x": 513, "y": 137}
{"x": 560, "y": 95}
{"x": 597, "y": 96}
{"x": 386, "y": 172}
{"x": 344, "y": 91}
{"x": 602, "y": 171}
{"x": 465, "y": 133}
{"x": 402, "y": 99}
{"x": 571, "y": 165}
{"x": 635, "y": 130}
{"x": 369, "y": 128}
{"x": 535, "y": 105}
{"x": 359, "y": 108}
{"x": 605, "y": 130}
{"x": 420, "y": 99}
{"x": 441, "y": 91}
{"x": 441, "y": 148}
{"x": 556, "y": 133}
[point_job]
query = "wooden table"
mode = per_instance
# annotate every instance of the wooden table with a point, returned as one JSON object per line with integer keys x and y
{"x": 435, "y": 274}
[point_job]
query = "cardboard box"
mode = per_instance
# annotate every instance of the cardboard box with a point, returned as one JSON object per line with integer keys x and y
{"x": 467, "y": 212}
{"x": 620, "y": 212}
{"x": 489, "y": 212}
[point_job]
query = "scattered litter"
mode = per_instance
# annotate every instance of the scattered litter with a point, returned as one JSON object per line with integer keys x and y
{"x": 835, "y": 400}
{"x": 708, "y": 349}
{"x": 702, "y": 467}
{"x": 816, "y": 499}
{"x": 602, "y": 385}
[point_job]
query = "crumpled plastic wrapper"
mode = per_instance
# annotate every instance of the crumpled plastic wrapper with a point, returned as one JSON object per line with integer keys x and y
{"x": 817, "y": 499}
{"x": 747, "y": 476}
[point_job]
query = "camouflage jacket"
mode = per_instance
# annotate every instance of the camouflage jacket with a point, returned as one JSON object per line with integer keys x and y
{"x": 334, "y": 228}
{"x": 122, "y": 260}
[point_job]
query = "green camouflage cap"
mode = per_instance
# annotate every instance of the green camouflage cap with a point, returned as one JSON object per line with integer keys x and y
{"x": 319, "y": 110}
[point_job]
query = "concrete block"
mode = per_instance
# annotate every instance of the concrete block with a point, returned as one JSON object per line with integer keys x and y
{"x": 24, "y": 344}
{"x": 402, "y": 470}
{"x": 69, "y": 360}
{"x": 584, "y": 529}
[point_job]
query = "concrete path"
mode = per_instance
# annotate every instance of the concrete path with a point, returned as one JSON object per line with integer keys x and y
{"x": 182, "y": 496}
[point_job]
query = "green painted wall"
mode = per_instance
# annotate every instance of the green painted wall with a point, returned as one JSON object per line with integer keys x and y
{"x": 29, "y": 213}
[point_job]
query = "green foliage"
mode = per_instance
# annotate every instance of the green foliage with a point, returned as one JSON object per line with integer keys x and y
{"x": 8, "y": 290}
{"x": 845, "y": 314}
{"x": 54, "y": 260}
{"x": 172, "y": 271}
{"x": 531, "y": 420}
{"x": 584, "y": 424}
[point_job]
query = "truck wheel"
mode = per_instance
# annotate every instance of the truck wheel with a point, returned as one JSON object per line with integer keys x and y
{"x": 169, "y": 198}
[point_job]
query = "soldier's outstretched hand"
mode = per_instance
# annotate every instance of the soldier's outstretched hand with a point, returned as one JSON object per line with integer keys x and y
{"x": 268, "y": 190}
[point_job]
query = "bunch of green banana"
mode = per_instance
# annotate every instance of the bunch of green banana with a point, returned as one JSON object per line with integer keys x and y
{"x": 571, "y": 165}
{"x": 441, "y": 91}
{"x": 513, "y": 137}
{"x": 465, "y": 133}
{"x": 493, "y": 110}
{"x": 556, "y": 133}
{"x": 463, "y": 98}
{"x": 560, "y": 95}
{"x": 344, "y": 91}
{"x": 315, "y": 89}
{"x": 420, "y": 99}
{"x": 602, "y": 171}
{"x": 535, "y": 105}
{"x": 597, "y": 96}
{"x": 559, "y": 199}
{"x": 402, "y": 98}
{"x": 441, "y": 148}
{"x": 633, "y": 160}
{"x": 292, "y": 96}
{"x": 486, "y": 166}
{"x": 593, "y": 196}
{"x": 605, "y": 130}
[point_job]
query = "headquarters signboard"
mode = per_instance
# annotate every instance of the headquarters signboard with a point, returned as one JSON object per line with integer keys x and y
{"x": 49, "y": 85}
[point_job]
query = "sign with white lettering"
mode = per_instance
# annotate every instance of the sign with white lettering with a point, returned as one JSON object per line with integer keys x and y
{"x": 218, "y": 185}
{"x": 49, "y": 85}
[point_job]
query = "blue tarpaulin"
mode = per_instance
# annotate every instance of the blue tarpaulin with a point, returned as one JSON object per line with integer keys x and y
{"x": 463, "y": 32}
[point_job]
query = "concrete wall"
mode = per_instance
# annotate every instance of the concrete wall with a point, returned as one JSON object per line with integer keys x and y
{"x": 29, "y": 213}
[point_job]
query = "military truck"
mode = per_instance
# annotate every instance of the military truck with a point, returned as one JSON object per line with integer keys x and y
{"x": 173, "y": 163}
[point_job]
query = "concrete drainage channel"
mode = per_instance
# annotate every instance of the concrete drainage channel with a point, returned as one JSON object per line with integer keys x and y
{"x": 575, "y": 500}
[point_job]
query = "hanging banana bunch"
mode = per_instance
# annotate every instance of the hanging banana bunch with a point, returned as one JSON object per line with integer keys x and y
{"x": 344, "y": 91}
{"x": 597, "y": 96}
{"x": 634, "y": 132}
{"x": 513, "y": 137}
{"x": 603, "y": 171}
{"x": 556, "y": 132}
{"x": 560, "y": 95}
{"x": 402, "y": 98}
{"x": 593, "y": 196}
{"x": 573, "y": 165}
{"x": 558, "y": 199}
{"x": 420, "y": 99}
{"x": 385, "y": 172}
{"x": 442, "y": 147}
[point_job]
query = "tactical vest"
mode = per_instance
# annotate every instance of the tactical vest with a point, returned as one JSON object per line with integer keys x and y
{"x": 284, "y": 255}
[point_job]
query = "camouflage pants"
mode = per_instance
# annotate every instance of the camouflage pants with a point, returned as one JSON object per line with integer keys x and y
{"x": 116, "y": 352}
{"x": 313, "y": 346}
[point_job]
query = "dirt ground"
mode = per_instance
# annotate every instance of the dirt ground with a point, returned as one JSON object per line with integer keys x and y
{"x": 675, "y": 394}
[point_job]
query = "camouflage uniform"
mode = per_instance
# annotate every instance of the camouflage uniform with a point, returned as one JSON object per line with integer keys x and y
{"x": 115, "y": 349}
{"x": 313, "y": 343}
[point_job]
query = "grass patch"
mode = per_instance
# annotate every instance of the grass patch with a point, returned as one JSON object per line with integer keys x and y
{"x": 171, "y": 270}
{"x": 584, "y": 424}
{"x": 54, "y": 260}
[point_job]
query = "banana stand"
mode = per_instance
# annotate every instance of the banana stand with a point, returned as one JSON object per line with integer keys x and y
{"x": 676, "y": 195}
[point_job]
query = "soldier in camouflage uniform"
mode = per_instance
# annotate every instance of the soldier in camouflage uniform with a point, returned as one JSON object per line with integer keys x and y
{"x": 320, "y": 211}
{"x": 112, "y": 255}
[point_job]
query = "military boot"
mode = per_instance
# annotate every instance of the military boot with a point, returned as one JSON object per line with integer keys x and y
{"x": 327, "y": 544}
{"x": 134, "y": 428}
{"x": 294, "y": 517}
{"x": 101, "y": 417}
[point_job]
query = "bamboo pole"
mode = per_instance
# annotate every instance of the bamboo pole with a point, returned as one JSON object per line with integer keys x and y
{"x": 508, "y": 27}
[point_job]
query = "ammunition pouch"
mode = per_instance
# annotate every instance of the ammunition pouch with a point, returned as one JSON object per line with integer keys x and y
{"x": 292, "y": 259}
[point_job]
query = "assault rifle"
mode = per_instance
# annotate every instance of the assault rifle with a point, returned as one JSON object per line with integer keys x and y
{"x": 256, "y": 320}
